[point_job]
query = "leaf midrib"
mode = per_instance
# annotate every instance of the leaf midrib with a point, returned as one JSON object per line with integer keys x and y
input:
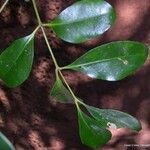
{"x": 86, "y": 123}
{"x": 78, "y": 21}
{"x": 13, "y": 64}
{"x": 100, "y": 61}
{"x": 121, "y": 122}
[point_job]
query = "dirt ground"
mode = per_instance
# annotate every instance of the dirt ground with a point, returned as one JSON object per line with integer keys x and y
{"x": 32, "y": 120}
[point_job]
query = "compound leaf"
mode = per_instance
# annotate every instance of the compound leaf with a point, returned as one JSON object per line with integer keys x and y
{"x": 114, "y": 118}
{"x": 112, "y": 61}
{"x": 16, "y": 61}
{"x": 83, "y": 20}
{"x": 91, "y": 132}
{"x": 5, "y": 144}
{"x": 61, "y": 92}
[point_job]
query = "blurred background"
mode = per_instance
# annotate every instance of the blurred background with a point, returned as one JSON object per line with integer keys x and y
{"x": 33, "y": 120}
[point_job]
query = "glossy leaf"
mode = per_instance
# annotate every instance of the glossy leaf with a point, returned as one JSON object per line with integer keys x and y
{"x": 114, "y": 118}
{"x": 61, "y": 93}
{"x": 83, "y": 20}
{"x": 112, "y": 61}
{"x": 16, "y": 61}
{"x": 5, "y": 144}
{"x": 92, "y": 133}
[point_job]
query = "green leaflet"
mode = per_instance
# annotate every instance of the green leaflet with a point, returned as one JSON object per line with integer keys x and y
{"x": 94, "y": 130}
{"x": 61, "y": 93}
{"x": 115, "y": 118}
{"x": 83, "y": 20}
{"x": 112, "y": 61}
{"x": 16, "y": 61}
{"x": 91, "y": 132}
{"x": 5, "y": 144}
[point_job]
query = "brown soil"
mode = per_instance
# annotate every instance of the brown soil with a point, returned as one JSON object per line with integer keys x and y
{"x": 34, "y": 121}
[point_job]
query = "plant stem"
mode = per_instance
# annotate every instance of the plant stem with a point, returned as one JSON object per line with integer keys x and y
{"x": 35, "y": 29}
{"x": 44, "y": 34}
{"x": 58, "y": 69}
{"x": 73, "y": 95}
{"x": 3, "y": 6}
{"x": 37, "y": 13}
{"x": 50, "y": 50}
